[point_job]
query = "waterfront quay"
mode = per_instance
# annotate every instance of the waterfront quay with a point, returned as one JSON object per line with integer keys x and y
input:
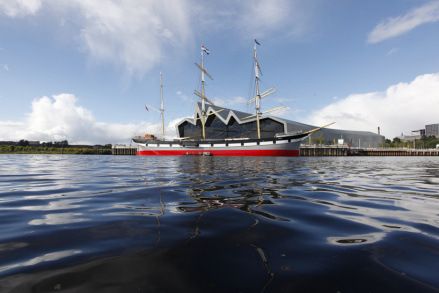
{"x": 323, "y": 151}
{"x": 343, "y": 150}
{"x": 396, "y": 152}
{"x": 123, "y": 150}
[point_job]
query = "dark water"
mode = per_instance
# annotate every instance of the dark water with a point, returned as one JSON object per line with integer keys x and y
{"x": 211, "y": 224}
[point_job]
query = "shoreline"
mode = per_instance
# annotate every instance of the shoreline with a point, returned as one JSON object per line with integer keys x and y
{"x": 30, "y": 150}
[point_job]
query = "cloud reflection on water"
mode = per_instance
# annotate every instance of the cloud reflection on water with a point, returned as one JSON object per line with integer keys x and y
{"x": 59, "y": 219}
{"x": 43, "y": 258}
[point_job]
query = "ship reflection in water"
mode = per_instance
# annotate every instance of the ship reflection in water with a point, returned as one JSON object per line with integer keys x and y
{"x": 206, "y": 224}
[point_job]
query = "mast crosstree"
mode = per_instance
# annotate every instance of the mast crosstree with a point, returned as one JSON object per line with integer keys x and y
{"x": 202, "y": 94}
{"x": 162, "y": 109}
{"x": 259, "y": 96}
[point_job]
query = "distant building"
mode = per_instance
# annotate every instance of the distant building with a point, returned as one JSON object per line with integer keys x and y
{"x": 232, "y": 124}
{"x": 419, "y": 132}
{"x": 406, "y": 138}
{"x": 432, "y": 129}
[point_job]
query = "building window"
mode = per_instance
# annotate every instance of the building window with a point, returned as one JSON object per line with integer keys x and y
{"x": 216, "y": 129}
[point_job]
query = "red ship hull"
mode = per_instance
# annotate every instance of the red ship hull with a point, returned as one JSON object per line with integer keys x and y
{"x": 230, "y": 153}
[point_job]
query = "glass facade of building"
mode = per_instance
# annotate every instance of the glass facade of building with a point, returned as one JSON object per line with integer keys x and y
{"x": 217, "y": 129}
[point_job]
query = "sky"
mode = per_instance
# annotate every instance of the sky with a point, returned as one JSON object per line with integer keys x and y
{"x": 83, "y": 71}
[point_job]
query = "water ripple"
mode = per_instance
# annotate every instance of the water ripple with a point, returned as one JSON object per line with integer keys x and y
{"x": 262, "y": 224}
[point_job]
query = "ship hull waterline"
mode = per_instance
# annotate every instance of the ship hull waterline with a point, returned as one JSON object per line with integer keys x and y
{"x": 278, "y": 149}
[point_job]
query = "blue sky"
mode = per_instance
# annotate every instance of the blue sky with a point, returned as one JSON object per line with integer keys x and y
{"x": 82, "y": 70}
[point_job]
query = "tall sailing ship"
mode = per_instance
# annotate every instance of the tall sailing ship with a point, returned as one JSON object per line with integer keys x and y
{"x": 278, "y": 144}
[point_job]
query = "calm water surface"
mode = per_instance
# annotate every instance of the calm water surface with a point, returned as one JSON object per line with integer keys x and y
{"x": 212, "y": 224}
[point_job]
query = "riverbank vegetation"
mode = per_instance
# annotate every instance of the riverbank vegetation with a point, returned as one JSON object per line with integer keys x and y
{"x": 63, "y": 147}
{"x": 426, "y": 142}
{"x": 11, "y": 149}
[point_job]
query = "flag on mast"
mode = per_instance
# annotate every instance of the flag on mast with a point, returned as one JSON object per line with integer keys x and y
{"x": 205, "y": 49}
{"x": 257, "y": 42}
{"x": 146, "y": 108}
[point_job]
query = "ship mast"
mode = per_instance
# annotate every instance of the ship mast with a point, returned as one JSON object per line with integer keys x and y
{"x": 162, "y": 109}
{"x": 203, "y": 101}
{"x": 202, "y": 95}
{"x": 259, "y": 96}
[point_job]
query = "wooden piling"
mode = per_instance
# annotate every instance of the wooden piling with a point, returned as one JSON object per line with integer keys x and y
{"x": 123, "y": 150}
{"x": 343, "y": 150}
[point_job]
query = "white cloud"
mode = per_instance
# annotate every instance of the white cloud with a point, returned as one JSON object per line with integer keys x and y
{"x": 184, "y": 97}
{"x": 139, "y": 34}
{"x": 402, "y": 108}
{"x": 394, "y": 50}
{"x": 5, "y": 67}
{"x": 254, "y": 18}
{"x": 393, "y": 27}
{"x": 60, "y": 118}
{"x": 134, "y": 34}
{"x": 265, "y": 14}
{"x": 19, "y": 8}
{"x": 219, "y": 102}
{"x": 156, "y": 129}
{"x": 227, "y": 103}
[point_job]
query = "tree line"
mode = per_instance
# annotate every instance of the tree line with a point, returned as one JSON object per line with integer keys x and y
{"x": 57, "y": 144}
{"x": 57, "y": 147}
{"x": 426, "y": 142}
